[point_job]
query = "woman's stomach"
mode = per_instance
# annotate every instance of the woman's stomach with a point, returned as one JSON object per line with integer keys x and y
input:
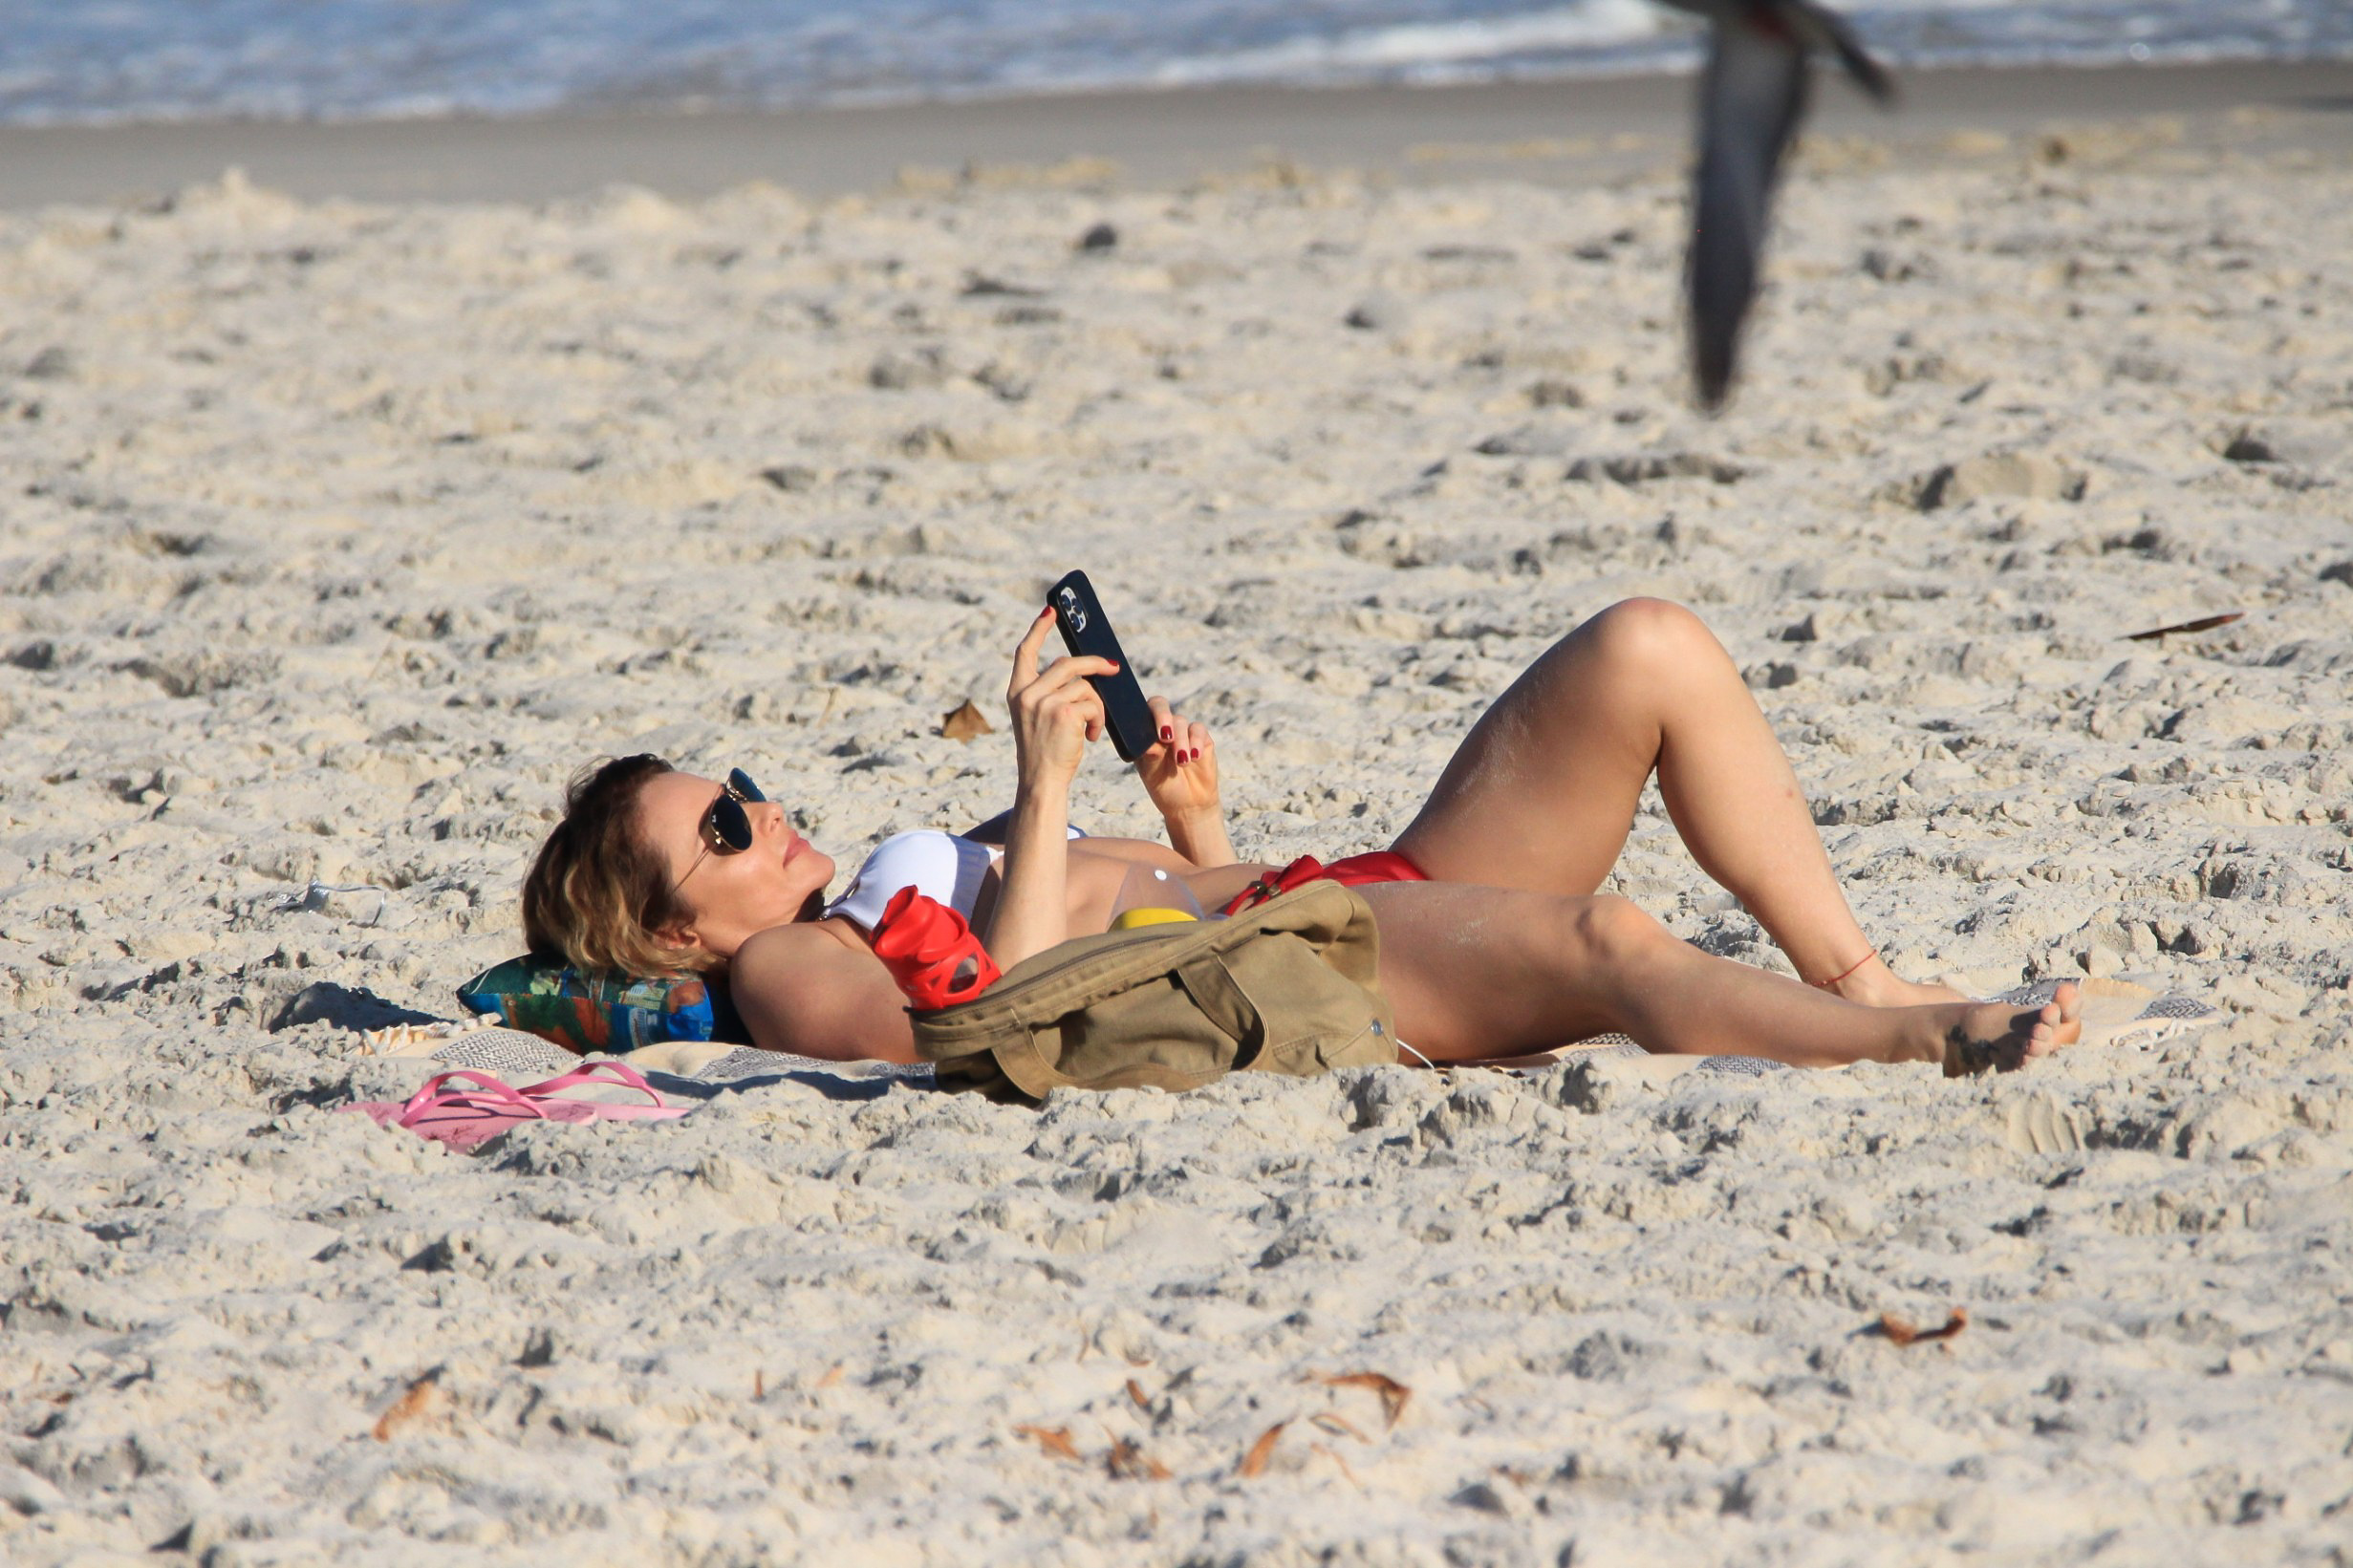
{"x": 1101, "y": 867}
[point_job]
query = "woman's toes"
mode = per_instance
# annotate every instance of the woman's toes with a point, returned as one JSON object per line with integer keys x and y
{"x": 2057, "y": 1023}
{"x": 2067, "y": 1002}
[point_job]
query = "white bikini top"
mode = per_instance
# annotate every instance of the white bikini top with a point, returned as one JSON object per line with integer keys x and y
{"x": 941, "y": 867}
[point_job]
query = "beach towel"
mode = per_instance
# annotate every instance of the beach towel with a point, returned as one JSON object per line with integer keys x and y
{"x": 2118, "y": 1014}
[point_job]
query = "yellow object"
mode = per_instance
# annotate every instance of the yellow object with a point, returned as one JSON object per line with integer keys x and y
{"x": 1130, "y": 919}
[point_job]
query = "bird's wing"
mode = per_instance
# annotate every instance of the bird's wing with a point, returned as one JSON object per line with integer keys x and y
{"x": 1751, "y": 98}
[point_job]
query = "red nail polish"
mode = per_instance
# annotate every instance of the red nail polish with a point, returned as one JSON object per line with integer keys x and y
{"x": 1167, "y": 733}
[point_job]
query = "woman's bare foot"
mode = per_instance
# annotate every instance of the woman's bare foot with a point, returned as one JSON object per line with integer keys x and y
{"x": 1994, "y": 1037}
{"x": 1874, "y": 984}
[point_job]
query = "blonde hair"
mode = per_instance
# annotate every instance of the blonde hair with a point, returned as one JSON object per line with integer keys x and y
{"x": 597, "y": 893}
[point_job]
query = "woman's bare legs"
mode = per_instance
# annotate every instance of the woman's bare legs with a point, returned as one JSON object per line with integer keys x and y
{"x": 1481, "y": 972}
{"x": 1542, "y": 793}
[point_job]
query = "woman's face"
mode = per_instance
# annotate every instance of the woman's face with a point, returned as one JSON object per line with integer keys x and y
{"x": 729, "y": 897}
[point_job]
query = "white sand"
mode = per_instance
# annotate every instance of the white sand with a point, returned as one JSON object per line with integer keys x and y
{"x": 335, "y": 537}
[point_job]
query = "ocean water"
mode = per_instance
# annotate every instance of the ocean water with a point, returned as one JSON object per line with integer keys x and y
{"x": 99, "y": 60}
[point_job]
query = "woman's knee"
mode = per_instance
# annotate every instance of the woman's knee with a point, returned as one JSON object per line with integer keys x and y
{"x": 1609, "y": 932}
{"x": 1650, "y": 632}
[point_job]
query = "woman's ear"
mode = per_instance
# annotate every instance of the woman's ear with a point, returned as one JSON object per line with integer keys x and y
{"x": 683, "y": 936}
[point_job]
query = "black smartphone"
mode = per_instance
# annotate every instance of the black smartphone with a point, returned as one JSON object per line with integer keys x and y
{"x": 1086, "y": 630}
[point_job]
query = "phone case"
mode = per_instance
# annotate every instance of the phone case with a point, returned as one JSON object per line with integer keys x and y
{"x": 1078, "y": 615}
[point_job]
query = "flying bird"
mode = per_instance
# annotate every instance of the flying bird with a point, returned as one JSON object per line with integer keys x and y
{"x": 1751, "y": 98}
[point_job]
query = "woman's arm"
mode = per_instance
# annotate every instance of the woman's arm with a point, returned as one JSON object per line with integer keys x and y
{"x": 1033, "y": 912}
{"x": 1055, "y": 713}
{"x": 1200, "y": 838}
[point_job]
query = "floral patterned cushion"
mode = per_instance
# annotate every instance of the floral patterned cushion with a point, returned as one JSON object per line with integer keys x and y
{"x": 610, "y": 1013}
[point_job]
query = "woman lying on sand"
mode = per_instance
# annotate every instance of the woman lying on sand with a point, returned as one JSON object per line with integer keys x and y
{"x": 1493, "y": 941}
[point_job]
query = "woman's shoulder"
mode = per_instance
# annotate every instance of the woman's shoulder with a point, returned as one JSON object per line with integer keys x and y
{"x": 813, "y": 988}
{"x": 792, "y": 957}
{"x": 796, "y": 939}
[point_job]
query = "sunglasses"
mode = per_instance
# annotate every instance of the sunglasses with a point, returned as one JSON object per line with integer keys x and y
{"x": 726, "y": 826}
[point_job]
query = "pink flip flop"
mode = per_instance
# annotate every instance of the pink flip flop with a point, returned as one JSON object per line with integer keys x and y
{"x": 466, "y": 1116}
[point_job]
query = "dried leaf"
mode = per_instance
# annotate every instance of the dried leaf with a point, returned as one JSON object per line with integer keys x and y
{"x": 2204, "y": 623}
{"x": 1126, "y": 1462}
{"x": 759, "y": 1385}
{"x": 1054, "y": 1440}
{"x": 1136, "y": 1392}
{"x": 1394, "y": 1394}
{"x": 832, "y": 1375}
{"x": 966, "y": 723}
{"x": 1331, "y": 1422}
{"x": 1902, "y": 1331}
{"x": 1261, "y": 1451}
{"x": 1333, "y": 1454}
{"x": 414, "y": 1400}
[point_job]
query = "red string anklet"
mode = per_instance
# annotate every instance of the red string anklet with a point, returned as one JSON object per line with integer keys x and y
{"x": 1824, "y": 985}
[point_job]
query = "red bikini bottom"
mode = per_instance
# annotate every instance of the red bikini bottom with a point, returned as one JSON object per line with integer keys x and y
{"x": 1373, "y": 866}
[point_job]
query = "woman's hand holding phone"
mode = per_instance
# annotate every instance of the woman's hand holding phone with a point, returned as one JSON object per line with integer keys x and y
{"x": 1057, "y": 708}
{"x": 1055, "y": 711}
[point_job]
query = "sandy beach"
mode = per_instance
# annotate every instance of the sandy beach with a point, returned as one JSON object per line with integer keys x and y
{"x": 345, "y": 518}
